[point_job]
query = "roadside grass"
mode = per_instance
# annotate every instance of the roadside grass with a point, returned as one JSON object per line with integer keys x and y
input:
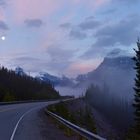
{"x": 67, "y": 131}
{"x": 82, "y": 117}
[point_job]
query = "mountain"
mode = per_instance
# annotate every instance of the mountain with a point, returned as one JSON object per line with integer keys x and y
{"x": 112, "y": 67}
{"x": 111, "y": 91}
{"x": 56, "y": 81}
{"x": 19, "y": 71}
{"x": 115, "y": 72}
{"x": 48, "y": 78}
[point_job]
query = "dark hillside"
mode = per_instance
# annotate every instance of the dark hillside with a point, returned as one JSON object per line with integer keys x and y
{"x": 22, "y": 87}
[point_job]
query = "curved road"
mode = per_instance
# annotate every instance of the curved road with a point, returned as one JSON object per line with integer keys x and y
{"x": 13, "y": 117}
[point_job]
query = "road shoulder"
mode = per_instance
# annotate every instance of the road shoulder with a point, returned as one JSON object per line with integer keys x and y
{"x": 38, "y": 126}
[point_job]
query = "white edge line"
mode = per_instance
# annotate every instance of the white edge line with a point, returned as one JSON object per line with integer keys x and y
{"x": 17, "y": 124}
{"x": 15, "y": 129}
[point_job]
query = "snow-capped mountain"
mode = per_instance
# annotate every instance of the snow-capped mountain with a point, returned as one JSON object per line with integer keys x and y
{"x": 117, "y": 73}
{"x": 56, "y": 81}
{"x": 19, "y": 71}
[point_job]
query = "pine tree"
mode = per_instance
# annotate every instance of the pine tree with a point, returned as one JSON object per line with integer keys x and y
{"x": 136, "y": 103}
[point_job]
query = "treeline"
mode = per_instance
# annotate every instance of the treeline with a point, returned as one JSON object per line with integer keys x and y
{"x": 118, "y": 111}
{"x": 16, "y": 87}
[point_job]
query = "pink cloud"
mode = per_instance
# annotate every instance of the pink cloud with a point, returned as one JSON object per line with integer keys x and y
{"x": 22, "y": 9}
{"x": 82, "y": 67}
{"x": 2, "y": 14}
{"x": 101, "y": 2}
{"x": 94, "y": 4}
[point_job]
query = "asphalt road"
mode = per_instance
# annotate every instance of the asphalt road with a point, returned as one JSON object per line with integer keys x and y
{"x": 18, "y": 120}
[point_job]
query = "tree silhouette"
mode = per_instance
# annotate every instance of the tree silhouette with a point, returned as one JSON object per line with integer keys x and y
{"x": 19, "y": 87}
{"x": 136, "y": 103}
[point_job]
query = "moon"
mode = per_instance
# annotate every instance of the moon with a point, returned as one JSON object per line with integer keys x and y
{"x": 3, "y": 38}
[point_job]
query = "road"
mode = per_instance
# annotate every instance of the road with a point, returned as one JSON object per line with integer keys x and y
{"x": 17, "y": 120}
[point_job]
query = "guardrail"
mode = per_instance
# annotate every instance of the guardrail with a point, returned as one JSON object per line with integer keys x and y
{"x": 28, "y": 101}
{"x": 81, "y": 131}
{"x": 32, "y": 101}
{"x": 20, "y": 102}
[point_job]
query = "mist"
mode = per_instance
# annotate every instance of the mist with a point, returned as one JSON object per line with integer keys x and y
{"x": 108, "y": 89}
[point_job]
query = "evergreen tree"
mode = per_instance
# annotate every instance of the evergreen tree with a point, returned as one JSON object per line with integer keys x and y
{"x": 136, "y": 103}
{"x": 16, "y": 87}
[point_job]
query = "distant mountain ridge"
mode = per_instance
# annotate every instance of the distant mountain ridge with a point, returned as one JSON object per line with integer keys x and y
{"x": 48, "y": 78}
{"x": 56, "y": 81}
{"x": 111, "y": 64}
{"x": 122, "y": 62}
{"x": 20, "y": 71}
{"x": 116, "y": 72}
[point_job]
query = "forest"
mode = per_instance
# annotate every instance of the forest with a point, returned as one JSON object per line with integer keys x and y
{"x": 118, "y": 111}
{"x": 124, "y": 114}
{"x": 16, "y": 87}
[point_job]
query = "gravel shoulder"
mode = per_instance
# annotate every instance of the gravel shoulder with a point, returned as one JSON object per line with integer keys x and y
{"x": 38, "y": 126}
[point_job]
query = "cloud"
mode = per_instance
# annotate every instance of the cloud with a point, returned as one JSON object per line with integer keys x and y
{"x": 54, "y": 12}
{"x": 77, "y": 34}
{"x": 118, "y": 52}
{"x": 58, "y": 54}
{"x": 30, "y": 64}
{"x": 123, "y": 33}
{"x": 114, "y": 52}
{"x": 27, "y": 59}
{"x": 80, "y": 31}
{"x": 3, "y": 25}
{"x": 60, "y": 58}
{"x": 33, "y": 22}
{"x": 89, "y": 24}
{"x": 93, "y": 4}
{"x": 109, "y": 11}
{"x": 94, "y": 53}
{"x": 23, "y": 9}
{"x": 2, "y": 2}
{"x": 80, "y": 67}
{"x": 126, "y": 1}
{"x": 65, "y": 25}
{"x": 34, "y": 64}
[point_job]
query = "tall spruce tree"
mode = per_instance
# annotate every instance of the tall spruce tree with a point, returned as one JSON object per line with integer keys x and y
{"x": 136, "y": 103}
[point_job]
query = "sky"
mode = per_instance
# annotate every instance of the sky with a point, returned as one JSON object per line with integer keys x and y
{"x": 66, "y": 37}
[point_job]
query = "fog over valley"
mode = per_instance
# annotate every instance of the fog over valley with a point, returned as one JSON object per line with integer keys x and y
{"x": 70, "y": 69}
